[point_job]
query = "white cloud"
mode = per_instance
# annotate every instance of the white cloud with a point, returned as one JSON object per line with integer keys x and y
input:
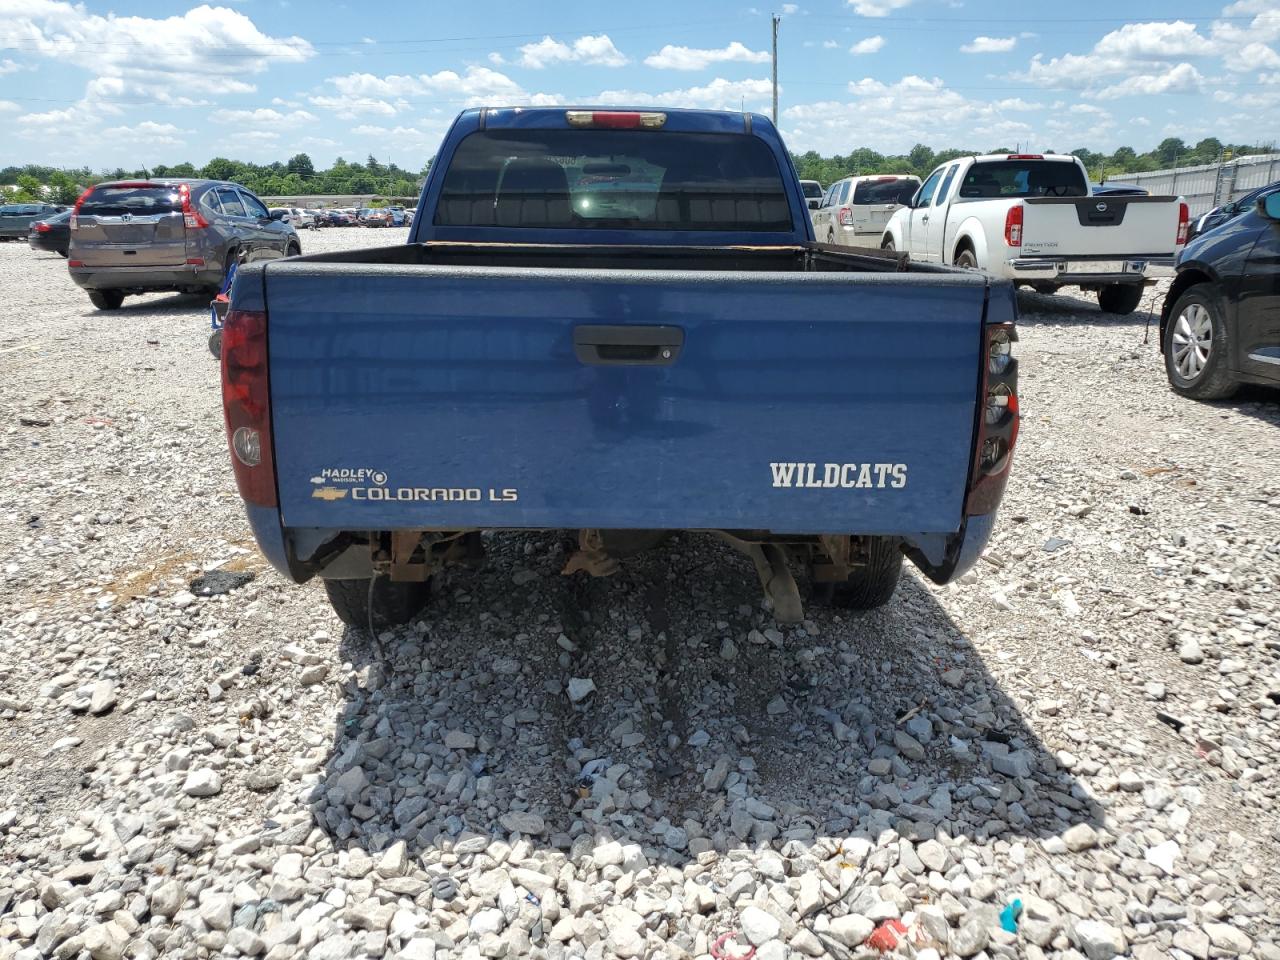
{"x": 889, "y": 116}
{"x": 362, "y": 95}
{"x": 262, "y": 115}
{"x": 790, "y": 9}
{"x": 1252, "y": 56}
{"x": 691, "y": 58}
{"x": 8, "y": 106}
{"x": 203, "y": 51}
{"x": 1183, "y": 78}
{"x": 149, "y": 132}
{"x": 497, "y": 59}
{"x": 719, "y": 94}
{"x": 829, "y": 44}
{"x": 867, "y": 45}
{"x": 1154, "y": 41}
{"x": 989, "y": 45}
{"x": 8, "y": 66}
{"x": 594, "y": 50}
{"x": 877, "y": 8}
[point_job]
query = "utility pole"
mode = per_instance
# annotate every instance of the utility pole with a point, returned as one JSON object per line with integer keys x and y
{"x": 776, "y": 20}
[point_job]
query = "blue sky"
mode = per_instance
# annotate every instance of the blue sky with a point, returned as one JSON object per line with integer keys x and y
{"x": 133, "y": 83}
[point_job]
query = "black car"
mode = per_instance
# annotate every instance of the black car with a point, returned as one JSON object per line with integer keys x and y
{"x": 1221, "y": 214}
{"x": 1220, "y": 326}
{"x": 52, "y": 233}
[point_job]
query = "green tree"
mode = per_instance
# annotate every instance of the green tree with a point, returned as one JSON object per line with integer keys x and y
{"x": 301, "y": 165}
{"x": 219, "y": 168}
{"x": 29, "y": 189}
{"x": 1169, "y": 150}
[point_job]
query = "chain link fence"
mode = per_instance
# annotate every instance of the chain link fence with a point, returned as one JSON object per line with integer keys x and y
{"x": 1210, "y": 185}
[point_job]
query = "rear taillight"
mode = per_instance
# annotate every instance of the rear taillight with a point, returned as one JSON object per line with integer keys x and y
{"x": 998, "y": 421}
{"x": 845, "y": 217}
{"x": 1013, "y": 226}
{"x": 246, "y": 405}
{"x": 41, "y": 227}
{"x": 75, "y": 211}
{"x": 615, "y": 119}
{"x": 190, "y": 216}
{"x": 1024, "y": 156}
{"x": 1184, "y": 222}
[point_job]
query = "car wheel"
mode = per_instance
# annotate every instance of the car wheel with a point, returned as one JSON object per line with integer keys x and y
{"x": 966, "y": 260}
{"x": 293, "y": 250}
{"x": 888, "y": 245}
{"x": 106, "y": 299}
{"x": 869, "y": 586}
{"x": 215, "y": 344}
{"x": 1120, "y": 298}
{"x": 1197, "y": 349}
{"x": 387, "y": 604}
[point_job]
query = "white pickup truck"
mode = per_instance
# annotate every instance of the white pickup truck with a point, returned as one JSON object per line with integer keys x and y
{"x": 1029, "y": 218}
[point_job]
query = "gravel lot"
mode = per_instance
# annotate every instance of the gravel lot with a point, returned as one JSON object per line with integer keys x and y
{"x": 1090, "y": 725}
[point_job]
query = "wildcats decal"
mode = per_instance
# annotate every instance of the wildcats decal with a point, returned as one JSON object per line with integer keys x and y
{"x": 849, "y": 476}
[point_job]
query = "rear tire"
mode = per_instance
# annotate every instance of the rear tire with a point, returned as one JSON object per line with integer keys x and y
{"x": 966, "y": 260}
{"x": 888, "y": 245}
{"x": 106, "y": 299}
{"x": 1120, "y": 298}
{"x": 872, "y": 585}
{"x": 293, "y": 250}
{"x": 1197, "y": 350}
{"x": 393, "y": 604}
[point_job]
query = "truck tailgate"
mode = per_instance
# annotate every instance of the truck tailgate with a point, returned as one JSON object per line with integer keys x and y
{"x": 455, "y": 397}
{"x": 1100, "y": 226}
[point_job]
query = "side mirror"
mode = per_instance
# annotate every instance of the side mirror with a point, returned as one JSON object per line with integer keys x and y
{"x": 277, "y": 215}
{"x": 1271, "y": 205}
{"x": 814, "y": 203}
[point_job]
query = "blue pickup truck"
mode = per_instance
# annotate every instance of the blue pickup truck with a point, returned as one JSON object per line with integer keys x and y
{"x": 617, "y": 323}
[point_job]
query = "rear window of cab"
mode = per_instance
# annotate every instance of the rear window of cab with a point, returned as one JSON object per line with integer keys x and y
{"x": 613, "y": 179}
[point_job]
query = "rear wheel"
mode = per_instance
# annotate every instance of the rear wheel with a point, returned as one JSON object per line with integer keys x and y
{"x": 1197, "y": 348}
{"x": 106, "y": 299}
{"x": 869, "y": 586}
{"x": 966, "y": 260}
{"x": 293, "y": 250}
{"x": 1120, "y": 298}
{"x": 888, "y": 245}
{"x": 391, "y": 604}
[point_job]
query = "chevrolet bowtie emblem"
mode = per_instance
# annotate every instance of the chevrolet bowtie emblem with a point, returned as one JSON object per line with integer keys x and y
{"x": 328, "y": 493}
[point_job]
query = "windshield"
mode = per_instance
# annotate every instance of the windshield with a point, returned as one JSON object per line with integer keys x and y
{"x": 1023, "y": 178}
{"x": 812, "y": 189}
{"x": 138, "y": 201}
{"x": 614, "y": 179}
{"x": 886, "y": 190}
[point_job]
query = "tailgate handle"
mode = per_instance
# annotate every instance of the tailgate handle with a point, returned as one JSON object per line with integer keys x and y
{"x": 623, "y": 344}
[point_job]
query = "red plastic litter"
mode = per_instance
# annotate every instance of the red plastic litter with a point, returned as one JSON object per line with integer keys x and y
{"x": 719, "y": 951}
{"x": 885, "y": 937}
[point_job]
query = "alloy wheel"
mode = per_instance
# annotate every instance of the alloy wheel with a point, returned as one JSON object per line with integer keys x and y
{"x": 1192, "y": 340}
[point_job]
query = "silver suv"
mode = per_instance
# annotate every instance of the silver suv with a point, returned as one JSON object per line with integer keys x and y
{"x": 140, "y": 236}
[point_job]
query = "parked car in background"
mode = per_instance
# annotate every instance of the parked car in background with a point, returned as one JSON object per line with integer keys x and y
{"x": 1220, "y": 326}
{"x": 812, "y": 191}
{"x": 16, "y": 218}
{"x": 300, "y": 217}
{"x": 140, "y": 236}
{"x": 52, "y": 233}
{"x": 375, "y": 217}
{"x": 854, "y": 211}
{"x": 398, "y": 215}
{"x": 670, "y": 349}
{"x": 1228, "y": 211}
{"x": 1117, "y": 190}
{"x": 1029, "y": 218}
